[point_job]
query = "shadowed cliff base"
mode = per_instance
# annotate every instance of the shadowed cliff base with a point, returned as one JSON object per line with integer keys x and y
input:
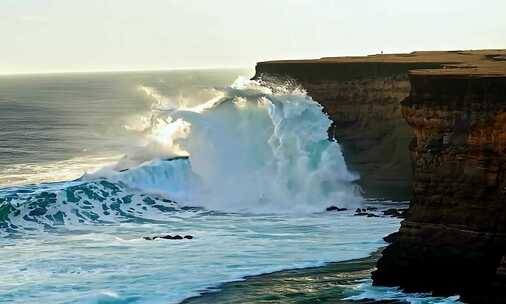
{"x": 334, "y": 283}
{"x": 325, "y": 284}
{"x": 362, "y": 96}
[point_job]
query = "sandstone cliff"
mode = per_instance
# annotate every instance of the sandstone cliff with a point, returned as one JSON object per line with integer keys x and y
{"x": 454, "y": 238}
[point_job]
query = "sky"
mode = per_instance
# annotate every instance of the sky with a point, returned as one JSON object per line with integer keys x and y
{"x": 40, "y": 36}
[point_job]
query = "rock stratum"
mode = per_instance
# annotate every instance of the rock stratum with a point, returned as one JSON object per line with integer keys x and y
{"x": 430, "y": 125}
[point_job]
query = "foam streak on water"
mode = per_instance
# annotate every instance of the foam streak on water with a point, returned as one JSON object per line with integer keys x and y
{"x": 113, "y": 262}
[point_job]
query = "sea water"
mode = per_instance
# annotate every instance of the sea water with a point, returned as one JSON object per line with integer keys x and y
{"x": 90, "y": 164}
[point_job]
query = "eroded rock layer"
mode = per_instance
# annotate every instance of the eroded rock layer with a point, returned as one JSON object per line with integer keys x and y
{"x": 454, "y": 238}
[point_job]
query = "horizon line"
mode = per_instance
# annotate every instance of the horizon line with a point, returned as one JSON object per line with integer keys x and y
{"x": 121, "y": 70}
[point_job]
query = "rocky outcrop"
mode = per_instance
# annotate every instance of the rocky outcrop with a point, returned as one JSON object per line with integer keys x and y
{"x": 454, "y": 237}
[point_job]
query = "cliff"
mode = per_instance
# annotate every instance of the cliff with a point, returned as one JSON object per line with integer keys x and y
{"x": 362, "y": 96}
{"x": 453, "y": 240}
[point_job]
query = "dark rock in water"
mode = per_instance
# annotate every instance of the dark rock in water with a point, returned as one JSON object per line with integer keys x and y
{"x": 394, "y": 212}
{"x": 168, "y": 237}
{"x": 392, "y": 237}
{"x": 334, "y": 208}
{"x": 366, "y": 214}
{"x": 371, "y": 208}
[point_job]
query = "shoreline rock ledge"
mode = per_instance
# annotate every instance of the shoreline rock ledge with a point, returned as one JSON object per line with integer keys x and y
{"x": 453, "y": 240}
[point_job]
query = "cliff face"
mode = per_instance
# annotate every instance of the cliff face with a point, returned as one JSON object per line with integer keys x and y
{"x": 363, "y": 101}
{"x": 454, "y": 238}
{"x": 367, "y": 122}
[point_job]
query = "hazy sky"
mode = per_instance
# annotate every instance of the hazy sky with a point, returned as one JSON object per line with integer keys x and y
{"x": 81, "y": 35}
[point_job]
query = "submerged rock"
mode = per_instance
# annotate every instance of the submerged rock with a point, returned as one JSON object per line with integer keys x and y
{"x": 365, "y": 212}
{"x": 335, "y": 208}
{"x": 168, "y": 237}
{"x": 393, "y": 212}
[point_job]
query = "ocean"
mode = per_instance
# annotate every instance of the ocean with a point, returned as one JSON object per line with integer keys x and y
{"x": 93, "y": 164}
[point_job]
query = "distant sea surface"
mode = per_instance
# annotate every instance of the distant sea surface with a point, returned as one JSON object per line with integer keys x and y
{"x": 58, "y": 126}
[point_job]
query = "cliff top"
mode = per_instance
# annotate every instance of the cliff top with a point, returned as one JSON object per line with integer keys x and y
{"x": 475, "y": 63}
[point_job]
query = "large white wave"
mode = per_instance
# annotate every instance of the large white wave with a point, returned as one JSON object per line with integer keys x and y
{"x": 253, "y": 147}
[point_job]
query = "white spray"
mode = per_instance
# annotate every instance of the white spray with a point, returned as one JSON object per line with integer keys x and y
{"x": 252, "y": 148}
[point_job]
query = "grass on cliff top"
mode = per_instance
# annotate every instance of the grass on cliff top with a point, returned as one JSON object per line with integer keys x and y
{"x": 489, "y": 63}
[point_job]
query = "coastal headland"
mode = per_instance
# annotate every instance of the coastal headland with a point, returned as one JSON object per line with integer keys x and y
{"x": 429, "y": 127}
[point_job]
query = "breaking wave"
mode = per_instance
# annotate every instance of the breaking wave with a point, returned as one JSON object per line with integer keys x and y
{"x": 254, "y": 147}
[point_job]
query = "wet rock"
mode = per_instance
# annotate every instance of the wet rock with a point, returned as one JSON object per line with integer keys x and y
{"x": 365, "y": 212}
{"x": 393, "y": 212}
{"x": 168, "y": 237}
{"x": 392, "y": 237}
{"x": 334, "y": 208}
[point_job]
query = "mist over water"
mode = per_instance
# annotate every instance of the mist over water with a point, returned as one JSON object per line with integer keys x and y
{"x": 251, "y": 147}
{"x": 57, "y": 127}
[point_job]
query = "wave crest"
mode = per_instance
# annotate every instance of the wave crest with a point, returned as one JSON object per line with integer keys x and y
{"x": 255, "y": 147}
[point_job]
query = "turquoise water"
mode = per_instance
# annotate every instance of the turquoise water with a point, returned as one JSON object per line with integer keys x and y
{"x": 90, "y": 164}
